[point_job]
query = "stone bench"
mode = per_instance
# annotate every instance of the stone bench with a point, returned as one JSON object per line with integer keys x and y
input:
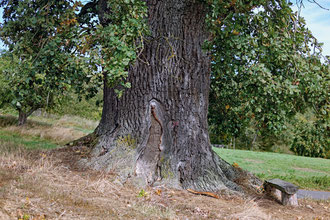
{"x": 284, "y": 191}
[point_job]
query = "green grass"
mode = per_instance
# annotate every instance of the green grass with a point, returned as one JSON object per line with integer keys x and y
{"x": 306, "y": 172}
{"x": 79, "y": 123}
{"x": 44, "y": 132}
{"x": 26, "y": 141}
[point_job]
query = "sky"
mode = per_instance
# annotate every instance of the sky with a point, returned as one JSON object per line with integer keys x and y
{"x": 317, "y": 19}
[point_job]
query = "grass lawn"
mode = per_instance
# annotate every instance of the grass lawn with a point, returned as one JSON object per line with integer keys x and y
{"x": 306, "y": 172}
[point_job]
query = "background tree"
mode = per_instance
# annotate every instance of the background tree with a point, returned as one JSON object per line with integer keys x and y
{"x": 40, "y": 38}
{"x": 4, "y": 85}
{"x": 263, "y": 77}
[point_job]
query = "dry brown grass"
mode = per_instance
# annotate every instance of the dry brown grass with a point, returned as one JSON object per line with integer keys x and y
{"x": 65, "y": 121}
{"x": 75, "y": 121}
{"x": 37, "y": 184}
{"x": 61, "y": 131}
{"x": 250, "y": 210}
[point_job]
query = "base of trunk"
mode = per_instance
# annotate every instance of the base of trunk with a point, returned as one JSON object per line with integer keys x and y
{"x": 122, "y": 158}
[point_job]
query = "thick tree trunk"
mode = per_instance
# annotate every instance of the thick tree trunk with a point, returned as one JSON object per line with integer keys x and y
{"x": 158, "y": 129}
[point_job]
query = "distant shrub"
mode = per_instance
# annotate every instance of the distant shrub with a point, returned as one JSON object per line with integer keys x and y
{"x": 311, "y": 140}
{"x": 85, "y": 108}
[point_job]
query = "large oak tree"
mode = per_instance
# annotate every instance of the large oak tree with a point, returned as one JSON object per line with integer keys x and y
{"x": 156, "y": 59}
{"x": 157, "y": 130}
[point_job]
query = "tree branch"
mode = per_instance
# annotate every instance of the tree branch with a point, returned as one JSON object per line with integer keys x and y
{"x": 315, "y": 2}
{"x": 90, "y": 7}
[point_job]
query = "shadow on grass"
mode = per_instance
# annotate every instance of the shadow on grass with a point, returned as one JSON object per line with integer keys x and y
{"x": 38, "y": 134}
{"x": 27, "y": 142}
{"x": 9, "y": 120}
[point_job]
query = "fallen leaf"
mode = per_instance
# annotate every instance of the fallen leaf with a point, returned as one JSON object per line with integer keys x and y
{"x": 235, "y": 165}
{"x": 159, "y": 192}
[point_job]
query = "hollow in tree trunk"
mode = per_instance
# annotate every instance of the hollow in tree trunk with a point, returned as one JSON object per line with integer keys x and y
{"x": 157, "y": 131}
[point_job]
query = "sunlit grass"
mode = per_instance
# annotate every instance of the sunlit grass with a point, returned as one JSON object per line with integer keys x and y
{"x": 26, "y": 141}
{"x": 44, "y": 132}
{"x": 306, "y": 172}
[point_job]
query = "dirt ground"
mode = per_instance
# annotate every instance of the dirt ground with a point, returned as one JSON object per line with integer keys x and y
{"x": 40, "y": 185}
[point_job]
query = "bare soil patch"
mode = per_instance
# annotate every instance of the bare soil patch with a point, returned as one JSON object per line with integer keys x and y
{"x": 39, "y": 185}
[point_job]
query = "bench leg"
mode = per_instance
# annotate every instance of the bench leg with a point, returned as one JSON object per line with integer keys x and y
{"x": 274, "y": 192}
{"x": 288, "y": 199}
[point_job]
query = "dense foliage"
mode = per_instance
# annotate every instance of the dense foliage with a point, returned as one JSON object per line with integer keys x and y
{"x": 266, "y": 68}
{"x": 112, "y": 35}
{"x": 309, "y": 136}
{"x": 39, "y": 37}
{"x": 4, "y": 64}
{"x": 50, "y": 52}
